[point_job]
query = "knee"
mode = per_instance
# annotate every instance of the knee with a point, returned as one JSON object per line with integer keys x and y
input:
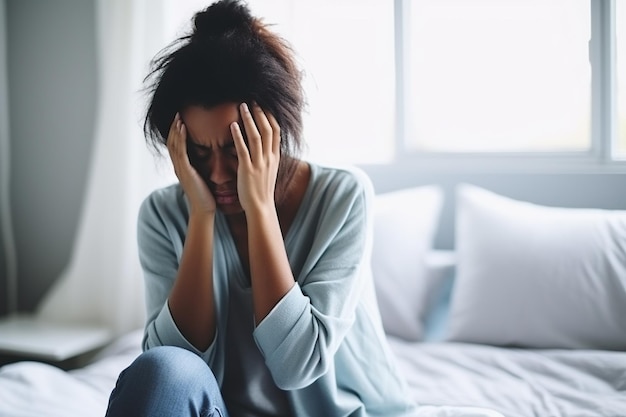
{"x": 171, "y": 365}
{"x": 165, "y": 378}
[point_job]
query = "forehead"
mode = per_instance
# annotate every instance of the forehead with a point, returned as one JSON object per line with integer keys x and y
{"x": 210, "y": 126}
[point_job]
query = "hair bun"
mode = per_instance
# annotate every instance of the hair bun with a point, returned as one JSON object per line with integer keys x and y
{"x": 222, "y": 17}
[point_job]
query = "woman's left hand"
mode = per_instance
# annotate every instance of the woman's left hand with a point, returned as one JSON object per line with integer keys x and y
{"x": 258, "y": 161}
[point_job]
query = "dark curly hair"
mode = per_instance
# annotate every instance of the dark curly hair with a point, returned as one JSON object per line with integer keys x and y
{"x": 230, "y": 56}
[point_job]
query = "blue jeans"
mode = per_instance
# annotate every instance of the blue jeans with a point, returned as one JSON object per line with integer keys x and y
{"x": 167, "y": 381}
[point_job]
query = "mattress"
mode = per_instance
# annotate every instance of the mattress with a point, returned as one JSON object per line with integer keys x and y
{"x": 446, "y": 379}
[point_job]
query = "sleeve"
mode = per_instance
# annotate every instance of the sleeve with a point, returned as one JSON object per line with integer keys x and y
{"x": 160, "y": 247}
{"x": 301, "y": 335}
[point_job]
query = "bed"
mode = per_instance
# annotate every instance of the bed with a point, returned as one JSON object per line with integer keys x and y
{"x": 525, "y": 318}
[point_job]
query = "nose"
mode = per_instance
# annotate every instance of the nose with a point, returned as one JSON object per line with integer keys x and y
{"x": 221, "y": 170}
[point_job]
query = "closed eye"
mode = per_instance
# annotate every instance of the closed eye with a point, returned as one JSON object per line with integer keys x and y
{"x": 199, "y": 151}
{"x": 230, "y": 149}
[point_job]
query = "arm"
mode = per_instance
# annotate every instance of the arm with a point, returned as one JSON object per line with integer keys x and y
{"x": 300, "y": 326}
{"x": 270, "y": 272}
{"x": 161, "y": 234}
{"x": 300, "y": 337}
{"x": 191, "y": 301}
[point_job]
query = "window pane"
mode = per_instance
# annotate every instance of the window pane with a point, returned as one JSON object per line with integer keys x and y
{"x": 499, "y": 76}
{"x": 620, "y": 20}
{"x": 346, "y": 49}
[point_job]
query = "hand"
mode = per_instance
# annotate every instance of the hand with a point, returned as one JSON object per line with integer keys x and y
{"x": 195, "y": 188}
{"x": 258, "y": 162}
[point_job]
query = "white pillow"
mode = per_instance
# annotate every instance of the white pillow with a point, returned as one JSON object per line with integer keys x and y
{"x": 537, "y": 276}
{"x": 405, "y": 223}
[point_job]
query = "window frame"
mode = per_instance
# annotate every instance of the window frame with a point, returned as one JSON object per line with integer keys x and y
{"x": 600, "y": 156}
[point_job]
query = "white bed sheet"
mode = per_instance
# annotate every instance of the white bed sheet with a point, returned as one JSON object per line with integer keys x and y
{"x": 516, "y": 382}
{"x": 33, "y": 389}
{"x": 450, "y": 380}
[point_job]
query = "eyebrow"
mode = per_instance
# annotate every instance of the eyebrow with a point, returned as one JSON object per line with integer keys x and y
{"x": 227, "y": 145}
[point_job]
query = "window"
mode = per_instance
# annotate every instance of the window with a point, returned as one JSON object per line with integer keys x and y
{"x": 425, "y": 79}
{"x": 520, "y": 80}
{"x": 498, "y": 76}
{"x": 346, "y": 48}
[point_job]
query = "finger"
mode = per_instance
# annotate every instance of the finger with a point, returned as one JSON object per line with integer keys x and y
{"x": 243, "y": 155}
{"x": 254, "y": 138}
{"x": 172, "y": 131}
{"x": 264, "y": 127}
{"x": 176, "y": 142}
{"x": 275, "y": 133}
{"x": 175, "y": 134}
{"x": 182, "y": 140}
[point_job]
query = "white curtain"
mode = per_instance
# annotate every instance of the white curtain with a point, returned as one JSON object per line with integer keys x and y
{"x": 103, "y": 282}
{"x": 6, "y": 238}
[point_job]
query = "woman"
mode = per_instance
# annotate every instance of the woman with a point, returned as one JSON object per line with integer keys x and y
{"x": 259, "y": 295}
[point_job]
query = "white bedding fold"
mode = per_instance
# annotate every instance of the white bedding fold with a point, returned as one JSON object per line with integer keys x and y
{"x": 33, "y": 389}
{"x": 516, "y": 382}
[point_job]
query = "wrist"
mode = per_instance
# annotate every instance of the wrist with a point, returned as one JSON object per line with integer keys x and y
{"x": 261, "y": 213}
{"x": 201, "y": 218}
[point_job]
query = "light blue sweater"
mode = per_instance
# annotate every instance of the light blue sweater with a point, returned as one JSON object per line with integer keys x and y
{"x": 323, "y": 343}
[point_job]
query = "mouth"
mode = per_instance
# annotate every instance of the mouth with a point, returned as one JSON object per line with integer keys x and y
{"x": 225, "y": 198}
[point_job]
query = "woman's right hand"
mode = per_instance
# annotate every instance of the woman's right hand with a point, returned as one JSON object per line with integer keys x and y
{"x": 200, "y": 197}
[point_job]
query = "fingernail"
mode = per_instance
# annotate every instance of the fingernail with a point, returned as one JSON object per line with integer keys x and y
{"x": 244, "y": 107}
